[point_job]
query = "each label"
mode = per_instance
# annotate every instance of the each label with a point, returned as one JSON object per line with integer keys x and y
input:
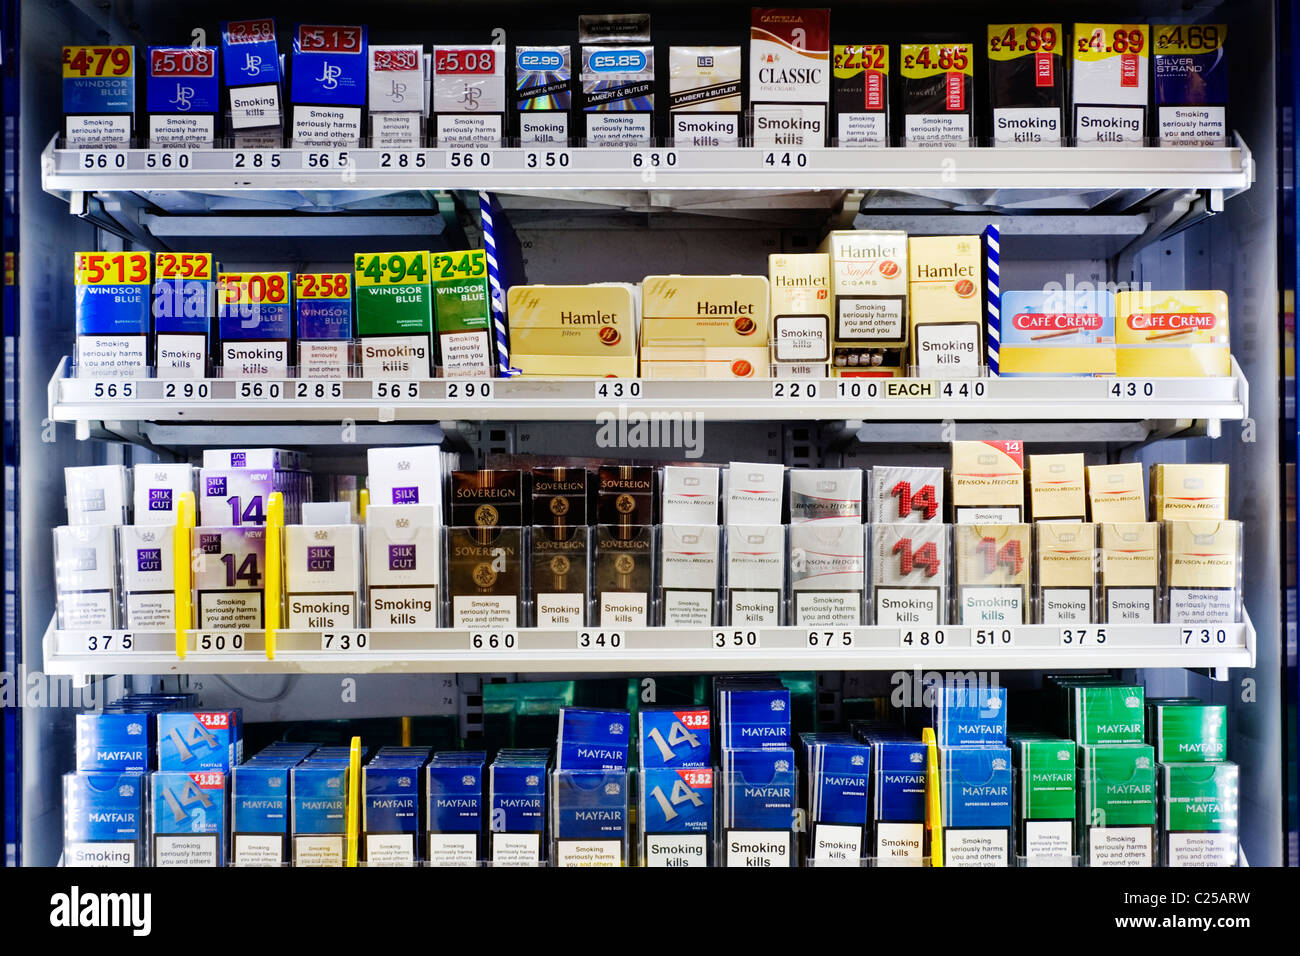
{"x": 588, "y": 852}
{"x": 1066, "y": 605}
{"x": 623, "y": 609}
{"x": 1131, "y": 605}
{"x": 257, "y": 849}
{"x": 828, "y": 608}
{"x": 1048, "y": 842}
{"x": 111, "y": 356}
{"x": 516, "y": 849}
{"x": 561, "y": 610}
{"x": 757, "y": 848}
{"x": 99, "y": 854}
{"x": 868, "y": 318}
{"x": 688, "y": 608}
{"x": 1120, "y": 846}
{"x": 181, "y": 356}
{"x": 1193, "y": 125}
{"x": 404, "y": 607}
{"x": 326, "y": 127}
{"x": 1202, "y": 849}
{"x": 863, "y": 129}
{"x": 1110, "y": 125}
{"x": 899, "y": 844}
{"x": 185, "y": 849}
{"x": 618, "y": 129}
{"x": 676, "y": 849}
{"x": 936, "y": 129}
{"x": 947, "y": 349}
{"x": 984, "y": 847}
{"x": 468, "y": 130}
{"x": 151, "y": 610}
{"x": 325, "y": 850}
{"x": 755, "y": 607}
{"x": 484, "y": 610}
{"x": 230, "y": 610}
{"x": 907, "y": 606}
{"x": 1202, "y": 605}
{"x": 390, "y": 849}
{"x": 395, "y": 356}
{"x": 705, "y": 129}
{"x": 834, "y": 845}
{"x": 453, "y": 849}
{"x": 537, "y": 128}
{"x": 992, "y": 606}
{"x": 1027, "y": 126}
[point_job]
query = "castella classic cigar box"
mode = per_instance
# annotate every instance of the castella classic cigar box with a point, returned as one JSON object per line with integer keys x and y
{"x": 1177, "y": 333}
{"x": 573, "y": 330}
{"x": 704, "y": 327}
{"x": 789, "y": 76}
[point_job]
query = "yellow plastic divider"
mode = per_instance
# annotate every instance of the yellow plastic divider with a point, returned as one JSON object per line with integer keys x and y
{"x": 363, "y": 503}
{"x": 271, "y": 596}
{"x": 354, "y": 800}
{"x": 406, "y": 731}
{"x": 933, "y": 797}
{"x": 182, "y": 570}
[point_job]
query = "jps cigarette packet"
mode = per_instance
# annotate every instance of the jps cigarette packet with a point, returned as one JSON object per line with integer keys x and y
{"x": 937, "y": 82}
{"x": 827, "y": 574}
{"x": 328, "y": 74}
{"x": 112, "y": 305}
{"x": 909, "y": 573}
{"x": 189, "y": 818}
{"x": 1027, "y": 83}
{"x": 114, "y": 743}
{"x": 988, "y": 481}
{"x": 906, "y": 495}
{"x": 1116, "y": 493}
{"x": 544, "y": 93}
{"x": 183, "y": 97}
{"x": 860, "y": 74}
{"x": 1066, "y": 555}
{"x": 322, "y": 576}
{"x": 454, "y": 818}
{"x": 85, "y": 577}
{"x": 102, "y": 819}
{"x": 800, "y": 297}
{"x": 184, "y": 306}
{"x": 1117, "y": 805}
{"x": 704, "y": 327}
{"x": 758, "y": 807}
{"x": 589, "y": 817}
{"x": 1069, "y": 332}
{"x": 200, "y": 740}
{"x": 469, "y": 96}
{"x": 592, "y": 739}
{"x": 97, "y": 494}
{"x": 944, "y": 301}
{"x": 1109, "y": 83}
{"x": 485, "y": 576}
{"x": 826, "y": 496}
{"x": 688, "y": 574}
{"x": 970, "y": 716}
{"x": 1200, "y": 807}
{"x": 253, "y": 72}
{"x": 403, "y": 566}
{"x": 229, "y": 575}
{"x": 992, "y": 573}
{"x": 789, "y": 76}
{"x": 1176, "y": 333}
{"x": 397, "y": 75}
{"x": 1203, "y": 571}
{"x": 756, "y": 574}
{"x": 98, "y": 96}
{"x": 254, "y": 324}
{"x": 1044, "y": 799}
{"x": 704, "y": 95}
{"x": 148, "y": 585}
{"x": 1191, "y": 83}
{"x": 977, "y": 817}
{"x": 676, "y": 810}
{"x": 753, "y": 492}
{"x": 324, "y": 324}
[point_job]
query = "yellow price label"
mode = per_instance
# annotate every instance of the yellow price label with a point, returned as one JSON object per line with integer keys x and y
{"x": 1101, "y": 41}
{"x": 1189, "y": 39}
{"x": 322, "y": 285}
{"x": 921, "y": 60}
{"x": 391, "y": 268}
{"x": 253, "y": 288}
{"x": 183, "y": 265}
{"x": 471, "y": 264}
{"x": 80, "y": 62}
{"x": 112, "y": 268}
{"x": 847, "y": 61}
{"x": 1010, "y": 41}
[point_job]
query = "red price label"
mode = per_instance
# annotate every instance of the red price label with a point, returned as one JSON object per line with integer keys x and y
{"x": 254, "y": 288}
{"x": 698, "y": 779}
{"x": 112, "y": 268}
{"x": 318, "y": 39}
{"x": 387, "y": 61}
{"x": 465, "y": 62}
{"x": 214, "y": 721}
{"x": 185, "y": 61}
{"x": 209, "y": 780}
{"x": 250, "y": 31}
{"x": 694, "y": 719}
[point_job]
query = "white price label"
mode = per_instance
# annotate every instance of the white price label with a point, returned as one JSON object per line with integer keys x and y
{"x": 168, "y": 159}
{"x": 317, "y": 391}
{"x": 1083, "y": 636}
{"x": 962, "y": 391}
{"x": 109, "y": 643}
{"x": 993, "y": 637}
{"x": 736, "y": 640}
{"x": 1212, "y": 636}
{"x": 657, "y": 159}
{"x": 246, "y": 159}
{"x": 852, "y": 388}
{"x": 471, "y": 390}
{"x": 493, "y": 641}
{"x": 600, "y": 641}
{"x": 102, "y": 161}
{"x": 113, "y": 390}
{"x": 796, "y": 389}
{"x": 830, "y": 640}
{"x": 187, "y": 391}
{"x": 211, "y": 642}
{"x": 616, "y": 388}
{"x": 1127, "y": 388}
{"x": 785, "y": 160}
{"x": 546, "y": 159}
{"x": 343, "y": 643}
{"x": 469, "y": 159}
{"x": 326, "y": 159}
{"x": 255, "y": 389}
{"x": 403, "y": 159}
{"x": 390, "y": 390}
{"x": 916, "y": 640}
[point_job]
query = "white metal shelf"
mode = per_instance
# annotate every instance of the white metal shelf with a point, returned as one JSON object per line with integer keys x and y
{"x": 86, "y": 400}
{"x": 1053, "y": 169}
{"x": 529, "y": 650}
